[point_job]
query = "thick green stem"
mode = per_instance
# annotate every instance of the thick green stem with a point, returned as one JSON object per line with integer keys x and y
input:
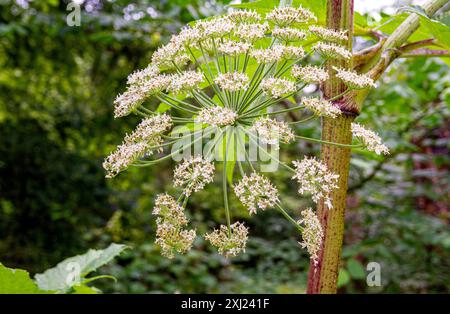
{"x": 323, "y": 276}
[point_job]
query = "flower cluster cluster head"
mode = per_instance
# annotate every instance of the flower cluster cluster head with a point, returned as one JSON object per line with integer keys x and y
{"x": 256, "y": 192}
{"x": 233, "y": 48}
{"x": 229, "y": 74}
{"x": 371, "y": 140}
{"x": 312, "y": 234}
{"x": 327, "y": 34}
{"x": 217, "y": 116}
{"x": 286, "y": 16}
{"x": 144, "y": 140}
{"x": 171, "y": 234}
{"x": 330, "y": 50}
{"x": 309, "y": 74}
{"x": 229, "y": 241}
{"x": 277, "y": 87}
{"x": 288, "y": 34}
{"x": 244, "y": 16}
{"x": 354, "y": 80}
{"x": 321, "y": 107}
{"x": 251, "y": 32}
{"x": 232, "y": 81}
{"x": 193, "y": 174}
{"x": 185, "y": 81}
{"x": 142, "y": 86}
{"x": 272, "y": 132}
{"x": 315, "y": 178}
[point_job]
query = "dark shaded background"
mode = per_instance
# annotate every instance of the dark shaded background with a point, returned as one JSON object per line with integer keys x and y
{"x": 57, "y": 85}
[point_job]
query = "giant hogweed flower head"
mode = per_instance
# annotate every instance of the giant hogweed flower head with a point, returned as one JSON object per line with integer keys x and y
{"x": 273, "y": 132}
{"x": 354, "y": 80}
{"x": 370, "y": 139}
{"x": 312, "y": 233}
{"x": 230, "y": 75}
{"x": 229, "y": 241}
{"x": 171, "y": 235}
{"x": 256, "y": 192}
{"x": 314, "y": 178}
{"x": 193, "y": 174}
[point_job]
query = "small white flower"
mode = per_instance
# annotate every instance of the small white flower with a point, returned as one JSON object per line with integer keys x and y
{"x": 252, "y": 31}
{"x": 185, "y": 81}
{"x": 312, "y": 234}
{"x": 140, "y": 76}
{"x": 168, "y": 208}
{"x": 169, "y": 54}
{"x": 136, "y": 94}
{"x": 354, "y": 80}
{"x": 268, "y": 55}
{"x": 217, "y": 116}
{"x": 321, "y": 107}
{"x": 123, "y": 156}
{"x": 288, "y": 34}
{"x": 271, "y": 131}
{"x": 314, "y": 178}
{"x": 292, "y": 52}
{"x": 171, "y": 238}
{"x": 309, "y": 74}
{"x": 332, "y": 51}
{"x": 244, "y": 16}
{"x": 188, "y": 36}
{"x": 229, "y": 244}
{"x": 256, "y": 192}
{"x": 232, "y": 82}
{"x": 327, "y": 34}
{"x": 287, "y": 15}
{"x": 193, "y": 173}
{"x": 216, "y": 27}
{"x": 277, "y": 87}
{"x": 370, "y": 139}
{"x": 233, "y": 48}
{"x": 150, "y": 129}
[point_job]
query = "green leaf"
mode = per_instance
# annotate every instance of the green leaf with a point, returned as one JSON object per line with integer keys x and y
{"x": 356, "y": 269}
{"x": 73, "y": 270}
{"x": 17, "y": 281}
{"x": 83, "y": 289}
{"x": 344, "y": 278}
{"x": 437, "y": 30}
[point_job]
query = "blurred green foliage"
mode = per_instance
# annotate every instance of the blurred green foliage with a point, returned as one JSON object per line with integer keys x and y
{"x": 57, "y": 85}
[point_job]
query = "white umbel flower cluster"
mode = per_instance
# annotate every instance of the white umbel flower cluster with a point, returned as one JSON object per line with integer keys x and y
{"x": 309, "y": 74}
{"x": 217, "y": 116}
{"x": 229, "y": 244}
{"x": 216, "y": 27}
{"x": 170, "y": 55}
{"x": 277, "y": 87}
{"x": 370, "y": 139}
{"x": 185, "y": 81}
{"x": 321, "y": 107}
{"x": 327, "y": 34}
{"x": 233, "y": 48}
{"x": 287, "y": 15}
{"x": 252, "y": 31}
{"x": 272, "y": 132}
{"x": 244, "y": 16}
{"x": 140, "y": 143}
{"x": 312, "y": 234}
{"x": 354, "y": 80}
{"x": 232, "y": 82}
{"x": 288, "y": 34}
{"x": 256, "y": 192}
{"x": 171, "y": 236}
{"x": 193, "y": 174}
{"x": 140, "y": 76}
{"x": 314, "y": 178}
{"x": 330, "y": 50}
{"x": 137, "y": 93}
